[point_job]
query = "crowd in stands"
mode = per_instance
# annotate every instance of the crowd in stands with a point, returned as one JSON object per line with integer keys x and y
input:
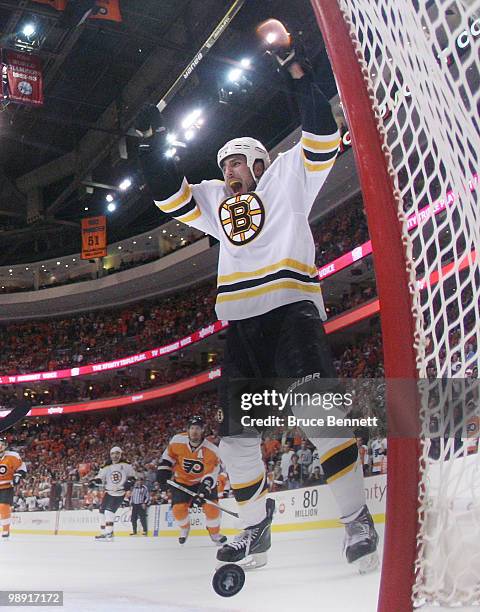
{"x": 340, "y": 232}
{"x": 103, "y": 335}
{"x": 363, "y": 358}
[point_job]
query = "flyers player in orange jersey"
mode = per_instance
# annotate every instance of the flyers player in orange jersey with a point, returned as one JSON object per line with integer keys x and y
{"x": 12, "y": 469}
{"x": 194, "y": 463}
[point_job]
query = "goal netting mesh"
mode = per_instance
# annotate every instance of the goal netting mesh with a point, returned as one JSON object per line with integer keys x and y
{"x": 420, "y": 61}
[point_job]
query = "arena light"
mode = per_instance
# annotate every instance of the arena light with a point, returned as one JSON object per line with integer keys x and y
{"x": 189, "y": 135}
{"x": 191, "y": 119}
{"x": 109, "y": 197}
{"x": 170, "y": 152}
{"x": 171, "y": 138}
{"x": 28, "y": 30}
{"x": 245, "y": 62}
{"x": 235, "y": 75}
{"x": 111, "y": 207}
{"x": 125, "y": 184}
{"x": 270, "y": 38}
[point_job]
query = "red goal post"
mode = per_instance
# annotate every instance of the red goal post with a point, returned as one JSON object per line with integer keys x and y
{"x": 377, "y": 49}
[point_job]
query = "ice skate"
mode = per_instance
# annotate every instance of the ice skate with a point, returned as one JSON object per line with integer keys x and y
{"x": 218, "y": 538}
{"x": 184, "y": 531}
{"x": 5, "y": 535}
{"x": 105, "y": 537}
{"x": 249, "y": 548}
{"x": 361, "y": 541}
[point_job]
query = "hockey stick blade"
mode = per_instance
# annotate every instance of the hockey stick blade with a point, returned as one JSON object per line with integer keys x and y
{"x": 16, "y": 414}
{"x": 200, "y": 55}
{"x": 207, "y": 501}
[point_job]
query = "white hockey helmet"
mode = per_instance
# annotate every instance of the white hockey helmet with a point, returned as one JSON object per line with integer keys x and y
{"x": 116, "y": 449}
{"x": 251, "y": 148}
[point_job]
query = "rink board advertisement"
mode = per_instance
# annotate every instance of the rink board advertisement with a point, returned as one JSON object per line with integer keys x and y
{"x": 296, "y": 510}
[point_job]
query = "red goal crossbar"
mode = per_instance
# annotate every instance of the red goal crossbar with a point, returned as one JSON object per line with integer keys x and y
{"x": 395, "y": 306}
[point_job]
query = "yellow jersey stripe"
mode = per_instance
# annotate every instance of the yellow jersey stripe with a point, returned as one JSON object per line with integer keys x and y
{"x": 337, "y": 449}
{"x": 283, "y": 263}
{"x": 251, "y": 293}
{"x": 349, "y": 468}
{"x": 244, "y": 485}
{"x": 190, "y": 217}
{"x": 180, "y": 200}
{"x": 318, "y": 145}
{"x": 318, "y": 166}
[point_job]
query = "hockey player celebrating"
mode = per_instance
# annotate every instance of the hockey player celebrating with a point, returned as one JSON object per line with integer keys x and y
{"x": 194, "y": 463}
{"x": 268, "y": 289}
{"x": 117, "y": 477}
{"x": 12, "y": 470}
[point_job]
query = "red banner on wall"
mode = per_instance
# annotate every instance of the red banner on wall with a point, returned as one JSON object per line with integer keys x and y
{"x": 94, "y": 237}
{"x": 22, "y": 78}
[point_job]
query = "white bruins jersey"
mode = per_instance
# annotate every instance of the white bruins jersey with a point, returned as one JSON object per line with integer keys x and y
{"x": 267, "y": 252}
{"x": 114, "y": 477}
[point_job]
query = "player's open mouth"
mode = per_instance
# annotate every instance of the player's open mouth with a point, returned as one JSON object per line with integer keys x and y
{"x": 235, "y": 186}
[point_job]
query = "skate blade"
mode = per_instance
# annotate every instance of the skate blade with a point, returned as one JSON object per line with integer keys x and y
{"x": 368, "y": 563}
{"x": 251, "y": 562}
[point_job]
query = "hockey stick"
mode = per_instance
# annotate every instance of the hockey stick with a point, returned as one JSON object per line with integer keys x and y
{"x": 201, "y": 53}
{"x": 16, "y": 414}
{"x": 207, "y": 501}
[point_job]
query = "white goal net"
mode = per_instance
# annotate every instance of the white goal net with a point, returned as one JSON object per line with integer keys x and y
{"x": 420, "y": 60}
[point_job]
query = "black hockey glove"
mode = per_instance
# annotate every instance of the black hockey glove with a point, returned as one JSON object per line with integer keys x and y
{"x": 96, "y": 482}
{"x": 164, "y": 473}
{"x": 204, "y": 492}
{"x": 129, "y": 483}
{"x": 17, "y": 477}
{"x": 149, "y": 125}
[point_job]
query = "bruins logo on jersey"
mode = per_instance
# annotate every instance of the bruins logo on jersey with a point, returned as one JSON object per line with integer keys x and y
{"x": 242, "y": 217}
{"x": 192, "y": 467}
{"x": 116, "y": 477}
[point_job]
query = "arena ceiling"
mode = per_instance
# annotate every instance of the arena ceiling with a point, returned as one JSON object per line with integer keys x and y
{"x": 58, "y": 160}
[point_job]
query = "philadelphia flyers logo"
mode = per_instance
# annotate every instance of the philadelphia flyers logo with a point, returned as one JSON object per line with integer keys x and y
{"x": 3, "y": 470}
{"x": 242, "y": 217}
{"x": 116, "y": 477}
{"x": 191, "y": 466}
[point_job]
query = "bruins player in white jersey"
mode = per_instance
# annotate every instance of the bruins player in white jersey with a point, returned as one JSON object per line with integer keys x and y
{"x": 268, "y": 290}
{"x": 118, "y": 477}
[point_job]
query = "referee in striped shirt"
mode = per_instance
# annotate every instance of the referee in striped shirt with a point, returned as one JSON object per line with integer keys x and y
{"x": 139, "y": 500}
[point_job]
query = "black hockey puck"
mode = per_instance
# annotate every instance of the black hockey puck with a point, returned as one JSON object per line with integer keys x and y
{"x": 228, "y": 580}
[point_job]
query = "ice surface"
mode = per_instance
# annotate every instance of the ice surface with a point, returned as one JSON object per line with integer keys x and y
{"x": 306, "y": 571}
